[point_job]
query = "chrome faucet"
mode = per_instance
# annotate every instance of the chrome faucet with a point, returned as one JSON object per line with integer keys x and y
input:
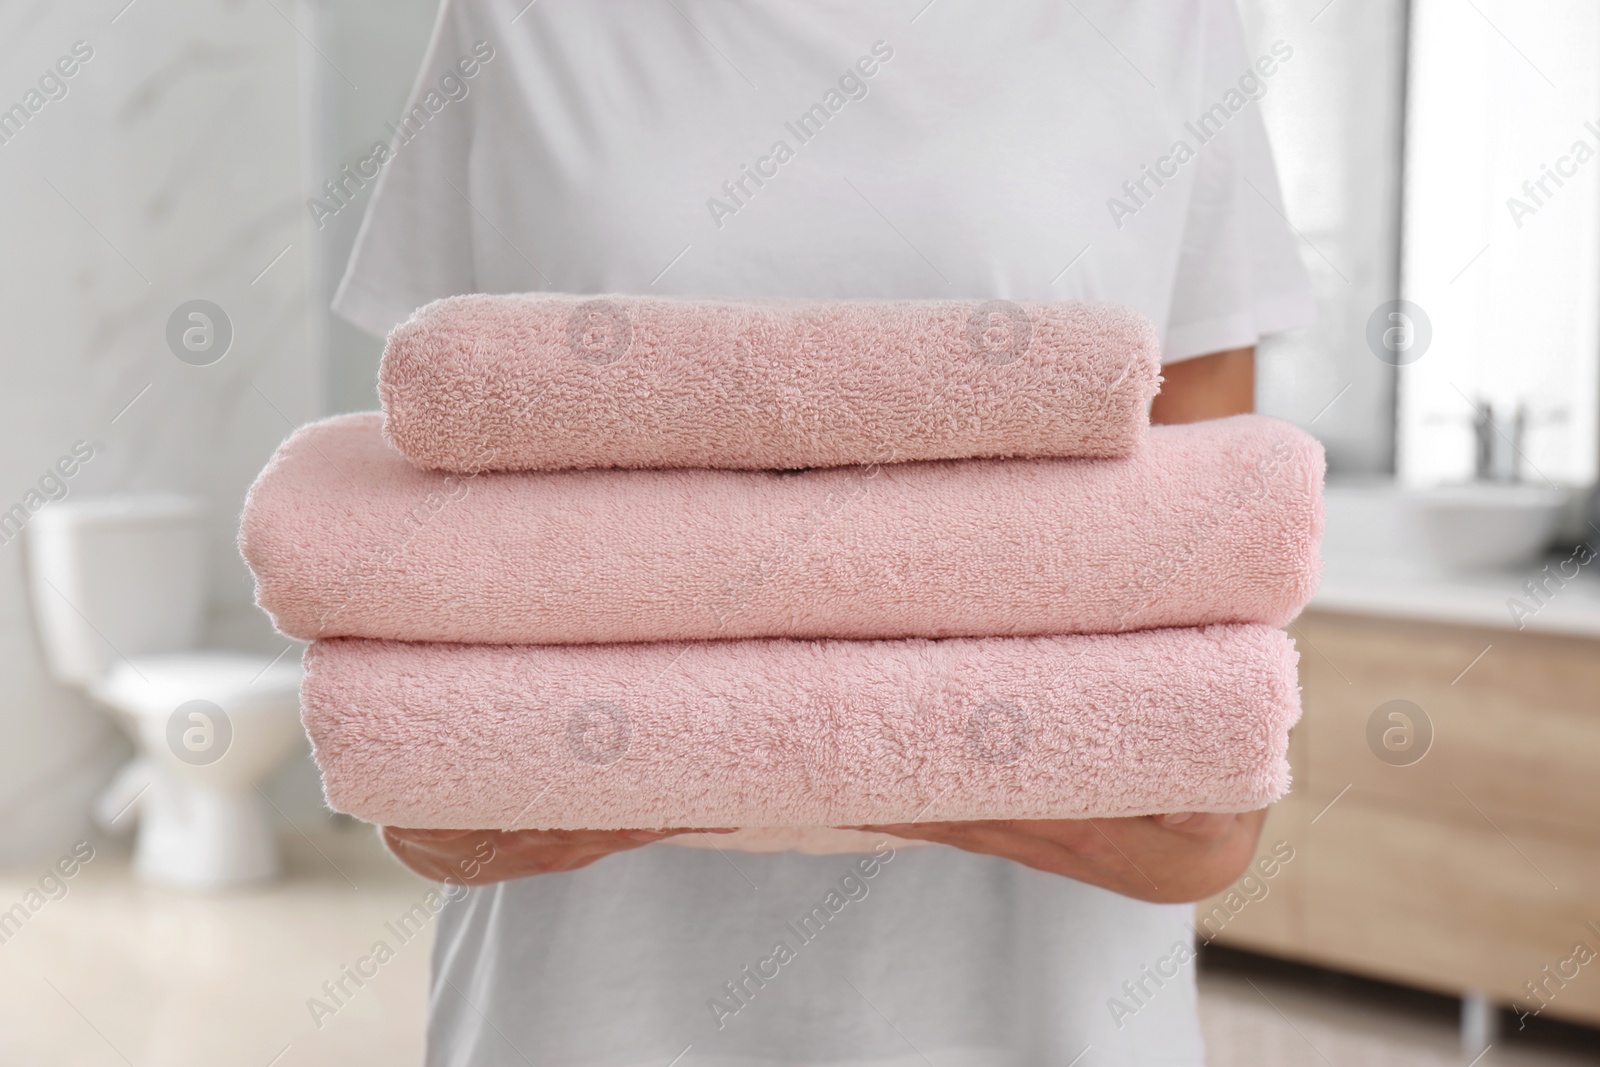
{"x": 1498, "y": 452}
{"x": 1492, "y": 461}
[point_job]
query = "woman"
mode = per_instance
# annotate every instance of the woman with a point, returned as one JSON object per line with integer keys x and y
{"x": 835, "y": 148}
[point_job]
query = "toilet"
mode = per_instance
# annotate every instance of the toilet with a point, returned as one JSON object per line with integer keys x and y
{"x": 118, "y": 590}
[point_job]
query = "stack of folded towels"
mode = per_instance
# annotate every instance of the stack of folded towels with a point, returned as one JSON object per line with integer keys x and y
{"x": 650, "y": 563}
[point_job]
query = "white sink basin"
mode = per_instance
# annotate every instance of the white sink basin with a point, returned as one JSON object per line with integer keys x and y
{"x": 1479, "y": 526}
{"x": 1484, "y": 527}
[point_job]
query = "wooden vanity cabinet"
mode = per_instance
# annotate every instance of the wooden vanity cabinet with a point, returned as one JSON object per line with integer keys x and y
{"x": 1474, "y": 869}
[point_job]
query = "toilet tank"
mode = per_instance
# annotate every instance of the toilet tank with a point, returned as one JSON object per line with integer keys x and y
{"x": 116, "y": 576}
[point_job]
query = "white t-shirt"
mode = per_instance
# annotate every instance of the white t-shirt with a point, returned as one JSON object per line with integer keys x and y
{"x": 1100, "y": 149}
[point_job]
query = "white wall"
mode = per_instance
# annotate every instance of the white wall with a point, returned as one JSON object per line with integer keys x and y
{"x": 1499, "y": 93}
{"x": 169, "y": 171}
{"x": 1334, "y": 117}
{"x": 373, "y": 49}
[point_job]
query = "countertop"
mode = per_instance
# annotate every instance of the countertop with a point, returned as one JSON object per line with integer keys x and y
{"x": 1503, "y": 600}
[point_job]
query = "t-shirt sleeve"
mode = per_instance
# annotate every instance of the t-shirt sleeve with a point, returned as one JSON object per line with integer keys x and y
{"x": 415, "y": 242}
{"x": 1239, "y": 276}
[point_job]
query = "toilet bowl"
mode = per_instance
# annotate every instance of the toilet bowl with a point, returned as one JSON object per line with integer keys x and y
{"x": 119, "y": 595}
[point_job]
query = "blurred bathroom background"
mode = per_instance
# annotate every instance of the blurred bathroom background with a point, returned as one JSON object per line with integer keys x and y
{"x": 1440, "y": 163}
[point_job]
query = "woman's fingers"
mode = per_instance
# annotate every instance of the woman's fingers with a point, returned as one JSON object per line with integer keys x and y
{"x": 647, "y": 836}
{"x": 1205, "y": 826}
{"x": 407, "y": 833}
{"x": 1195, "y": 822}
{"x": 1167, "y": 858}
{"x": 478, "y": 857}
{"x": 973, "y": 836}
{"x": 1045, "y": 846}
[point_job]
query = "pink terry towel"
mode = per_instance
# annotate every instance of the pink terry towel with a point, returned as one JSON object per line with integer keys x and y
{"x": 543, "y": 381}
{"x": 1206, "y": 523}
{"x": 802, "y": 733}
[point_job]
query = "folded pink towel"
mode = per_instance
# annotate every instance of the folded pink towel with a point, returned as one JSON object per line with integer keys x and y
{"x": 1206, "y": 523}
{"x": 801, "y": 733}
{"x": 543, "y": 381}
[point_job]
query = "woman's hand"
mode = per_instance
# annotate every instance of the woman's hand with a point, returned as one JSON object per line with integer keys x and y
{"x": 1160, "y": 858}
{"x": 1165, "y": 859}
{"x": 479, "y": 857}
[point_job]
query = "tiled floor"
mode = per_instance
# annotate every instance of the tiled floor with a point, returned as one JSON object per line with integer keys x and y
{"x": 115, "y": 973}
{"x": 1260, "y": 1014}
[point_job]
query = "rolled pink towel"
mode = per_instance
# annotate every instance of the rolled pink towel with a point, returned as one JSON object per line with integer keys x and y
{"x": 1207, "y": 523}
{"x": 543, "y": 381}
{"x": 801, "y": 733}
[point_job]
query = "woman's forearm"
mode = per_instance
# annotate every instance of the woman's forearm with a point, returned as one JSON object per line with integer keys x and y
{"x": 1207, "y": 387}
